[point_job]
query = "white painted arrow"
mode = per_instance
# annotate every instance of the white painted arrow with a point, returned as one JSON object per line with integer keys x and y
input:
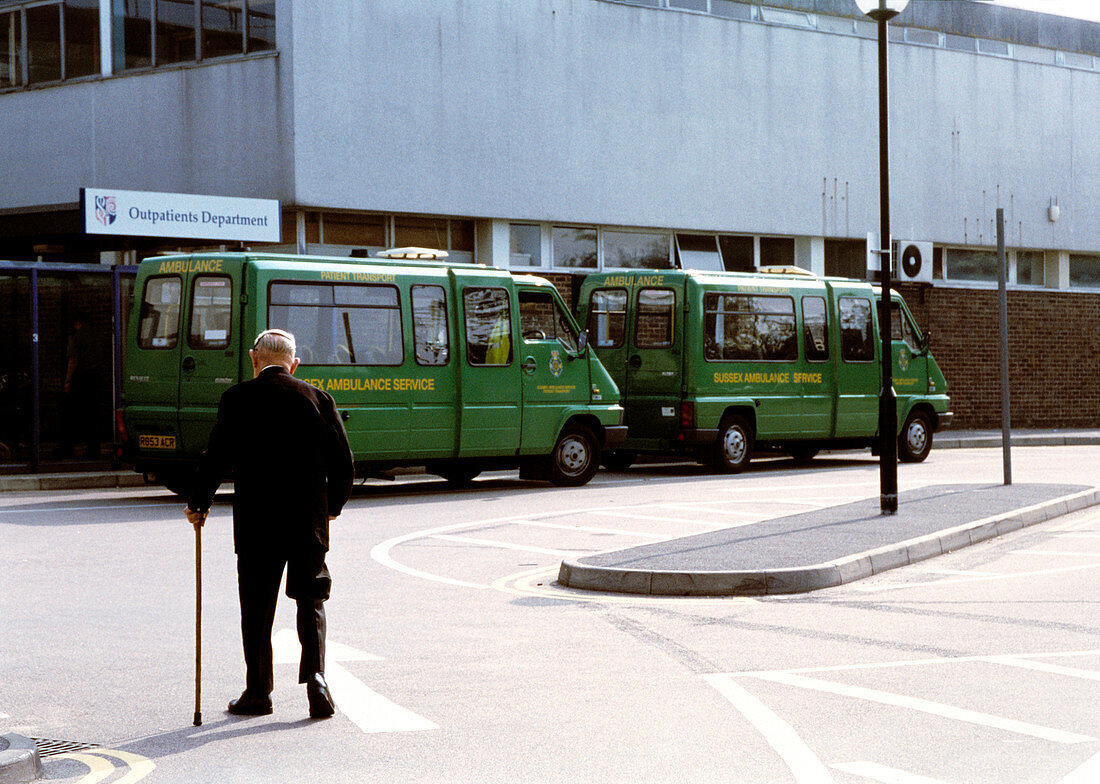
{"x": 370, "y": 711}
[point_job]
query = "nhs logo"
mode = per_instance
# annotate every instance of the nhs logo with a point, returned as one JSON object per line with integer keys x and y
{"x": 105, "y": 210}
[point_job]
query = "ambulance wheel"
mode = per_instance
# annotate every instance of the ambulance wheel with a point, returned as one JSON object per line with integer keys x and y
{"x": 733, "y": 449}
{"x": 459, "y": 475}
{"x": 575, "y": 458}
{"x": 619, "y": 459}
{"x": 915, "y": 439}
{"x": 802, "y": 453}
{"x": 176, "y": 483}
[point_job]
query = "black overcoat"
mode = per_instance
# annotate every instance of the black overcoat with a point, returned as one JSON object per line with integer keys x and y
{"x": 282, "y": 441}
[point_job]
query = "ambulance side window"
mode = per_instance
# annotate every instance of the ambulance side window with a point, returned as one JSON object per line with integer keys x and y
{"x": 339, "y": 324}
{"x": 433, "y": 342}
{"x": 857, "y": 340}
{"x": 653, "y": 327}
{"x": 607, "y": 318}
{"x": 540, "y": 318}
{"x": 211, "y": 311}
{"x": 815, "y": 329}
{"x": 160, "y": 312}
{"x": 488, "y": 326}
{"x": 740, "y": 327}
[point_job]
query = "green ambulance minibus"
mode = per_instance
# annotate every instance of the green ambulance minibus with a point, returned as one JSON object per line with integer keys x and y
{"x": 717, "y": 364}
{"x": 455, "y": 367}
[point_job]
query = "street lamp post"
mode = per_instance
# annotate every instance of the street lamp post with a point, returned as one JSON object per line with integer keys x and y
{"x": 882, "y": 11}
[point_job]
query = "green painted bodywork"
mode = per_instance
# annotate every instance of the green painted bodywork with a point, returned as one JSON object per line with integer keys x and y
{"x": 397, "y": 414}
{"x": 786, "y": 402}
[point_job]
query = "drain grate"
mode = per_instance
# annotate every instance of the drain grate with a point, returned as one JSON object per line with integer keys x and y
{"x": 47, "y": 747}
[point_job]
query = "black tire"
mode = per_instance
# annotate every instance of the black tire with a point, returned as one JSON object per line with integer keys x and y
{"x": 459, "y": 474}
{"x": 176, "y": 483}
{"x": 915, "y": 439}
{"x": 802, "y": 453}
{"x": 619, "y": 459}
{"x": 575, "y": 459}
{"x": 733, "y": 448}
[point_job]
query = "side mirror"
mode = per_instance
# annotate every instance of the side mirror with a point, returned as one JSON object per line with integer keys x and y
{"x": 582, "y": 342}
{"x": 926, "y": 340}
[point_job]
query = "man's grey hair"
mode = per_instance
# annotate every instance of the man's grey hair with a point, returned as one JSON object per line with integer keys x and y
{"x": 275, "y": 343}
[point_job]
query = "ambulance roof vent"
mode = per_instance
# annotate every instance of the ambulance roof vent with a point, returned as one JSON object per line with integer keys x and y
{"x": 413, "y": 253}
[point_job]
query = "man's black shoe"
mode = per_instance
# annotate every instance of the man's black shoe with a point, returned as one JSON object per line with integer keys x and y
{"x": 320, "y": 699}
{"x": 250, "y": 705}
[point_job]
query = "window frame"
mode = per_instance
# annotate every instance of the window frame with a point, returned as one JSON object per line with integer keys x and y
{"x": 226, "y": 341}
{"x": 466, "y": 327}
{"x": 175, "y": 335}
{"x": 638, "y": 318}
{"x": 592, "y": 312}
{"x": 416, "y": 324}
{"x": 754, "y": 313}
{"x": 332, "y": 287}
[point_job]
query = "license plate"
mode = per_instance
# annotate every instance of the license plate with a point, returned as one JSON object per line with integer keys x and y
{"x": 157, "y": 442}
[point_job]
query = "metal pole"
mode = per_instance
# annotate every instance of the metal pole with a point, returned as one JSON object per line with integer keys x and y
{"x": 36, "y": 399}
{"x": 1002, "y": 318}
{"x": 887, "y": 403}
{"x": 116, "y": 360}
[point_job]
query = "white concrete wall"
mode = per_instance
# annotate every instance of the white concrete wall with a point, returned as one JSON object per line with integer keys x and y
{"x": 597, "y": 112}
{"x": 211, "y": 129}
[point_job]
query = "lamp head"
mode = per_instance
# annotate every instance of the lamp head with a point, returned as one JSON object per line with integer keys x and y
{"x": 882, "y": 10}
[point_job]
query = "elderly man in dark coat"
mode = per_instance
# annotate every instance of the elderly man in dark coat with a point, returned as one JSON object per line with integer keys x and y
{"x": 285, "y": 447}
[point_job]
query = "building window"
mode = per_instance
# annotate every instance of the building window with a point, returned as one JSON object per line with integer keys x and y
{"x": 49, "y": 42}
{"x": 846, "y": 258}
{"x": 339, "y": 228}
{"x": 698, "y": 251}
{"x": 777, "y": 252}
{"x": 525, "y": 246}
{"x": 574, "y": 247}
{"x": 1084, "y": 271}
{"x": 1030, "y": 267}
{"x": 162, "y": 32}
{"x": 737, "y": 253}
{"x": 965, "y": 264}
{"x": 636, "y": 250}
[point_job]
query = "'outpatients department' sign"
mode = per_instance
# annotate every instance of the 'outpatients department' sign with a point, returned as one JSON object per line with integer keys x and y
{"x": 148, "y": 214}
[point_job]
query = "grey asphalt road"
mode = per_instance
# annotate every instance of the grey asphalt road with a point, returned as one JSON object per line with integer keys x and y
{"x": 456, "y": 658}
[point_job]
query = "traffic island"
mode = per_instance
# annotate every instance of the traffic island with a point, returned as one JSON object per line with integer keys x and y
{"x": 19, "y": 760}
{"x": 826, "y": 547}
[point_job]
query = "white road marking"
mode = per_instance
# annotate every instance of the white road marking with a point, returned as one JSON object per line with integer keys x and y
{"x": 919, "y": 663}
{"x": 99, "y": 768}
{"x": 937, "y": 583}
{"x": 803, "y": 763}
{"x": 963, "y": 572}
{"x": 884, "y": 774}
{"x": 591, "y": 529}
{"x": 926, "y": 706}
{"x": 1086, "y": 773}
{"x": 367, "y": 709}
{"x": 634, "y": 516}
{"x": 1038, "y": 666}
{"x": 1079, "y": 535}
{"x": 1056, "y": 552}
{"x": 506, "y": 545}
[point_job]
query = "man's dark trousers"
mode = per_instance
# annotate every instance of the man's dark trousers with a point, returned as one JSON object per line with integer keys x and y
{"x": 308, "y": 583}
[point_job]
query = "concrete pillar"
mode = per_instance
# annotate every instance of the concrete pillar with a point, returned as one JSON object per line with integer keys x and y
{"x": 1056, "y": 269}
{"x": 809, "y": 254}
{"x": 493, "y": 240}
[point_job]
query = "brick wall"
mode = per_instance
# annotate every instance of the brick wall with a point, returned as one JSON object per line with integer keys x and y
{"x": 1054, "y": 354}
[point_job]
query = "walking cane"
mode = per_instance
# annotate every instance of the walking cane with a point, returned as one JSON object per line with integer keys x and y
{"x": 198, "y": 621}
